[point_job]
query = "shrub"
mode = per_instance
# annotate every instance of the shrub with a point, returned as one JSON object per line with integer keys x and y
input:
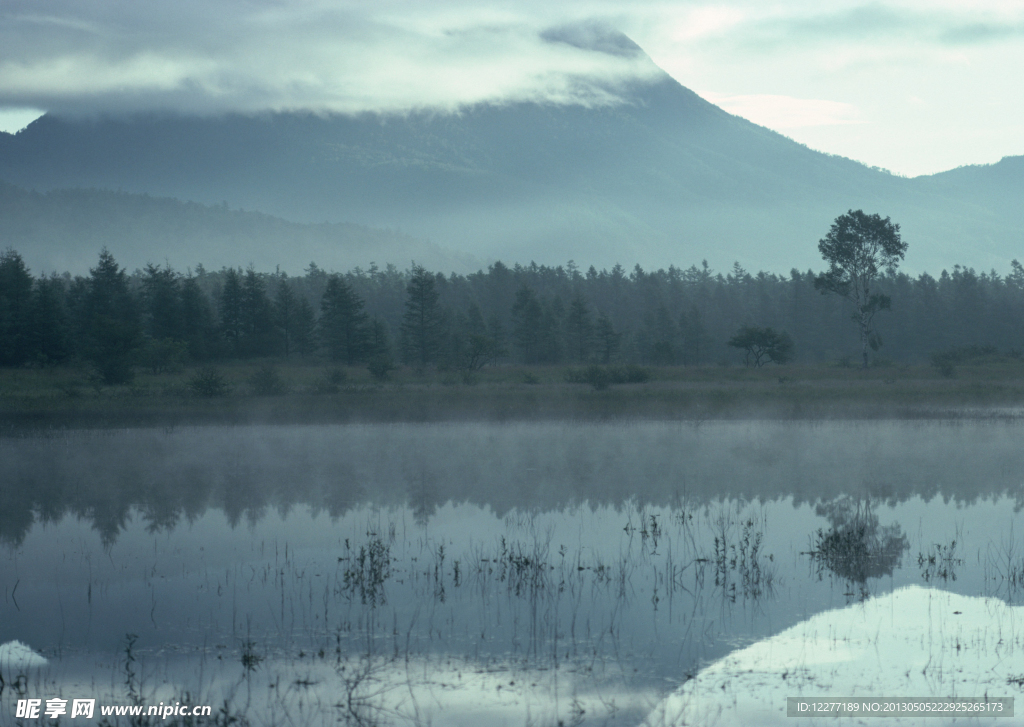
{"x": 633, "y": 374}
{"x": 761, "y": 345}
{"x": 947, "y": 361}
{"x": 601, "y": 377}
{"x": 208, "y": 382}
{"x": 330, "y": 382}
{"x": 266, "y": 381}
{"x": 380, "y": 367}
{"x": 598, "y": 377}
{"x": 163, "y": 355}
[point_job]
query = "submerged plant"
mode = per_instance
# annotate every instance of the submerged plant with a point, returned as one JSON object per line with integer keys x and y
{"x": 742, "y": 562}
{"x": 250, "y": 659}
{"x": 940, "y": 562}
{"x": 367, "y": 571}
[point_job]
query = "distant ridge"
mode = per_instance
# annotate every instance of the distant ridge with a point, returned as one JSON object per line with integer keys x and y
{"x": 64, "y": 230}
{"x": 663, "y": 177}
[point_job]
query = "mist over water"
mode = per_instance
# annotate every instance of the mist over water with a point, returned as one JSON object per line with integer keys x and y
{"x": 482, "y": 573}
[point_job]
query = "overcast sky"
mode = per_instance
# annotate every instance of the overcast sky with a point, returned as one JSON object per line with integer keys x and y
{"x": 915, "y": 87}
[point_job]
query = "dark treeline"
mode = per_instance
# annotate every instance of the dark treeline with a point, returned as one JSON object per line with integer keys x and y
{"x": 159, "y": 318}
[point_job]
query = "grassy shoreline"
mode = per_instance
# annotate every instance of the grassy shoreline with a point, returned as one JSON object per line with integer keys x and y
{"x": 310, "y": 393}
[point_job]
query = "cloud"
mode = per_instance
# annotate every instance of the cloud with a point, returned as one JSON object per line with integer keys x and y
{"x": 786, "y": 112}
{"x": 789, "y": 26}
{"x": 256, "y": 55}
{"x": 774, "y": 63}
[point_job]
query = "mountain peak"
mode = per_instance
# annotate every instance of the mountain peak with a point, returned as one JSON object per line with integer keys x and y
{"x": 594, "y": 37}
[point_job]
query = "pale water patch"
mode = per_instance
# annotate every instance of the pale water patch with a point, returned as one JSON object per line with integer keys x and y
{"x": 16, "y": 659}
{"x": 914, "y": 641}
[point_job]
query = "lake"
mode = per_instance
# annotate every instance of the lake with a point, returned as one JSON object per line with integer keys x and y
{"x": 512, "y": 574}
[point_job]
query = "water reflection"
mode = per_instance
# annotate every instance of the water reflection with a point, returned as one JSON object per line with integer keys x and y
{"x": 173, "y": 477}
{"x": 618, "y": 560}
{"x": 855, "y": 547}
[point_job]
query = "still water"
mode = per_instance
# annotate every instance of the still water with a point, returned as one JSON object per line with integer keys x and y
{"x": 513, "y": 574}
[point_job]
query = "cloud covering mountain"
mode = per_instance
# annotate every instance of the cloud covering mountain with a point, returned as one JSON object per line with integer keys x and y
{"x": 641, "y": 171}
{"x": 917, "y": 86}
{"x": 257, "y": 56}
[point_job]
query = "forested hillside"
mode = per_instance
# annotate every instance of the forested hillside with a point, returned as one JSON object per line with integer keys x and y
{"x": 160, "y": 317}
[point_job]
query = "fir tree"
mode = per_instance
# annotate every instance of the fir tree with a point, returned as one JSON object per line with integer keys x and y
{"x": 15, "y": 310}
{"x": 343, "y": 322}
{"x": 113, "y": 330}
{"x": 422, "y": 322}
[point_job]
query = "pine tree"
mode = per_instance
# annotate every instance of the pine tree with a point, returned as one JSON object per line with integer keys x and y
{"x": 691, "y": 329}
{"x": 343, "y": 322}
{"x": 608, "y": 339}
{"x": 113, "y": 330}
{"x": 15, "y": 310}
{"x": 662, "y": 335}
{"x": 380, "y": 362}
{"x": 161, "y": 294}
{"x": 305, "y": 328}
{"x": 422, "y": 322}
{"x": 527, "y": 316}
{"x": 197, "y": 324}
{"x": 257, "y": 316}
{"x": 286, "y": 312}
{"x": 579, "y": 329}
{"x": 231, "y": 310}
{"x": 49, "y": 321}
{"x": 549, "y": 336}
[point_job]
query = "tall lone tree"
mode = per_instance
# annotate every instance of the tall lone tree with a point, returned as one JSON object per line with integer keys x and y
{"x": 857, "y": 248}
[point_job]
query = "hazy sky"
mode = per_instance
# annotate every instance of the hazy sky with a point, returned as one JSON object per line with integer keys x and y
{"x": 915, "y": 87}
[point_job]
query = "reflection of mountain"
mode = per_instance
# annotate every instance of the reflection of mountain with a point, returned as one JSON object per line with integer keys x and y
{"x": 664, "y": 177}
{"x": 247, "y": 470}
{"x": 913, "y": 642}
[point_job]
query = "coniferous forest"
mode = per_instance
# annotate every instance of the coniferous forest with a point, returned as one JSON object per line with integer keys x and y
{"x": 157, "y": 318}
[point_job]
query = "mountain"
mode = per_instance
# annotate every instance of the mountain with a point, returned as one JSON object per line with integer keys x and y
{"x": 662, "y": 177}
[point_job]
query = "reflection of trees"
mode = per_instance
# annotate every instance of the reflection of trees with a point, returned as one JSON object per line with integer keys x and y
{"x": 172, "y": 477}
{"x": 855, "y": 547}
{"x": 16, "y": 517}
{"x": 422, "y": 496}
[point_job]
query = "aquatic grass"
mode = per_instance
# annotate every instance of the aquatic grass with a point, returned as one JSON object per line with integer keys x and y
{"x": 940, "y": 560}
{"x": 367, "y": 570}
{"x": 1004, "y": 568}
